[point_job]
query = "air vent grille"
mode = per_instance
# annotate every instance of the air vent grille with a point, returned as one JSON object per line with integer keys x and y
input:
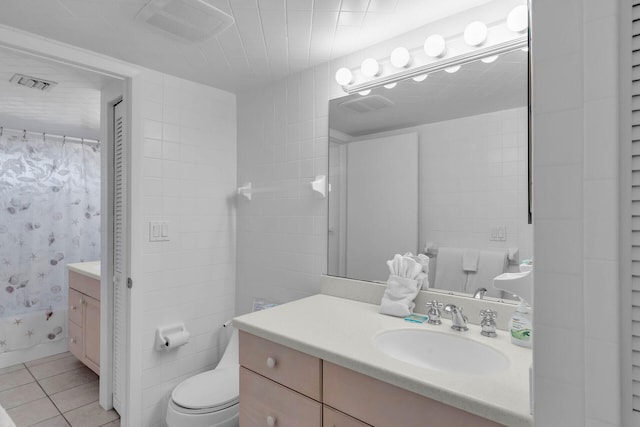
{"x": 367, "y": 104}
{"x": 191, "y": 20}
{"x": 32, "y": 82}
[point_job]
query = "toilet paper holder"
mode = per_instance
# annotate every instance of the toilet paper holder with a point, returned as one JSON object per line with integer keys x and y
{"x": 171, "y": 336}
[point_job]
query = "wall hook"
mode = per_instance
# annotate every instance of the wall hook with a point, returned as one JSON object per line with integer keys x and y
{"x": 245, "y": 191}
{"x": 320, "y": 185}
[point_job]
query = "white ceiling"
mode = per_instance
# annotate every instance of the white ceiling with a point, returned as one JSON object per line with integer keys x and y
{"x": 269, "y": 40}
{"x": 70, "y": 108}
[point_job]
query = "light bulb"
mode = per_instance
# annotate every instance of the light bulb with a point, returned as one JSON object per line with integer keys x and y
{"x": 453, "y": 69}
{"x": 476, "y": 33}
{"x": 365, "y": 92}
{"x": 370, "y": 67}
{"x": 518, "y": 19}
{"x": 344, "y": 76}
{"x": 400, "y": 57}
{"x": 435, "y": 46}
{"x": 489, "y": 59}
{"x": 420, "y": 78}
{"x": 391, "y": 85}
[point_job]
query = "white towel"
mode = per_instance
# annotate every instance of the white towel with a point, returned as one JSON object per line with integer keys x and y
{"x": 470, "y": 260}
{"x": 399, "y": 295}
{"x": 5, "y": 419}
{"x": 490, "y": 265}
{"x": 449, "y": 272}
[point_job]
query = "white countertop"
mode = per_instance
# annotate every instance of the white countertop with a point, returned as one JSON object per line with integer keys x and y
{"x": 341, "y": 331}
{"x": 91, "y": 268}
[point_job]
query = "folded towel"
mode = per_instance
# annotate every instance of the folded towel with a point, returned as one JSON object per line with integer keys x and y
{"x": 490, "y": 265}
{"x": 449, "y": 272}
{"x": 470, "y": 260}
{"x": 399, "y": 295}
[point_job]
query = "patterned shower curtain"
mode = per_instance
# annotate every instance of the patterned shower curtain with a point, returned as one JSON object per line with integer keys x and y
{"x": 49, "y": 216}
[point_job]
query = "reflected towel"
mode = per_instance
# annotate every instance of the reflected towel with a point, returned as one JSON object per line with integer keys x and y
{"x": 449, "y": 272}
{"x": 470, "y": 260}
{"x": 399, "y": 295}
{"x": 490, "y": 265}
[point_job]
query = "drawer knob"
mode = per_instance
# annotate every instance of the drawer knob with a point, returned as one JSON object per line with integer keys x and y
{"x": 271, "y": 421}
{"x": 72, "y": 340}
{"x": 74, "y": 308}
{"x": 271, "y": 363}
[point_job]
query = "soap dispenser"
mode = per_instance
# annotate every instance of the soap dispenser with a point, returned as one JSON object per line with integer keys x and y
{"x": 520, "y": 324}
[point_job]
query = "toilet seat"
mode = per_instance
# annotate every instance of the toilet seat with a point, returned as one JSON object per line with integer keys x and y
{"x": 209, "y": 391}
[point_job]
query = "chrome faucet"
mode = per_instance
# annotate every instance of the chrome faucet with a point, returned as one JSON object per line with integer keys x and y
{"x": 458, "y": 320}
{"x": 434, "y": 312}
{"x": 479, "y": 293}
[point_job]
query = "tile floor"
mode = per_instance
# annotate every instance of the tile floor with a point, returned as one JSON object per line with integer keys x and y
{"x": 56, "y": 391}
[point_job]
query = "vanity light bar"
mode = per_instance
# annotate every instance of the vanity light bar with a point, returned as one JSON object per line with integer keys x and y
{"x": 441, "y": 64}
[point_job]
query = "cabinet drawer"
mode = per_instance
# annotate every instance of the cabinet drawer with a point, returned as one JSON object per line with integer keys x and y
{"x": 76, "y": 342}
{"x": 289, "y": 367}
{"x": 263, "y": 399}
{"x": 384, "y": 405}
{"x": 333, "y": 418}
{"x": 75, "y": 306}
{"x": 85, "y": 284}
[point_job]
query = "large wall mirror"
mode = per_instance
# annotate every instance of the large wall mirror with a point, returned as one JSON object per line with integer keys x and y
{"x": 442, "y": 162}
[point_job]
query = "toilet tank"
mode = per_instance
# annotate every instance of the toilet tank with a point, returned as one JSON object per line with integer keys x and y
{"x": 231, "y": 354}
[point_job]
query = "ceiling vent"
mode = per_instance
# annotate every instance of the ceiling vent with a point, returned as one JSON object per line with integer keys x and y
{"x": 32, "y": 82}
{"x": 191, "y": 20}
{"x": 367, "y": 104}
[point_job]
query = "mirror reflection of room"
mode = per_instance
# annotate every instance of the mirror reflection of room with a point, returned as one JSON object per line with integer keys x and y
{"x": 435, "y": 166}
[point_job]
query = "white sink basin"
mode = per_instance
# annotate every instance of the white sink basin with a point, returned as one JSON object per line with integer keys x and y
{"x": 440, "y": 351}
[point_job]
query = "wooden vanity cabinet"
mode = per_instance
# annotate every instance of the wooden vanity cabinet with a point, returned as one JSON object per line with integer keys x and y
{"x": 84, "y": 319}
{"x": 283, "y": 387}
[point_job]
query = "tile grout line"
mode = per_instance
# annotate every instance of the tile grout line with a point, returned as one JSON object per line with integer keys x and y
{"x": 49, "y": 397}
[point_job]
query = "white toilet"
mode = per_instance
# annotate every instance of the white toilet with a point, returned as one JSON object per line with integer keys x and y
{"x": 209, "y": 399}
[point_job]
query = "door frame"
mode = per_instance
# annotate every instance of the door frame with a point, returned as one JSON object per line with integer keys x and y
{"x": 51, "y": 50}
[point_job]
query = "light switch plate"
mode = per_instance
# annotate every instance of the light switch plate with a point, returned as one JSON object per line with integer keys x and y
{"x": 158, "y": 231}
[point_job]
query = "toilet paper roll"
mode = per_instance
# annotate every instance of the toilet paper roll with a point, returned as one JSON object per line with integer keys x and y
{"x": 176, "y": 339}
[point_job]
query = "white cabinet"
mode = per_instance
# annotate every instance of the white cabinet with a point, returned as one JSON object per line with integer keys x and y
{"x": 84, "y": 319}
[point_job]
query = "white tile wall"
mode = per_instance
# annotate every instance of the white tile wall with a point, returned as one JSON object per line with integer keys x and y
{"x": 576, "y": 357}
{"x": 189, "y": 180}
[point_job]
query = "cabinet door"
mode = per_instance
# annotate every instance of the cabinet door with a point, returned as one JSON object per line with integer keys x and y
{"x": 76, "y": 300}
{"x": 333, "y": 418}
{"x": 92, "y": 333}
{"x": 266, "y": 403}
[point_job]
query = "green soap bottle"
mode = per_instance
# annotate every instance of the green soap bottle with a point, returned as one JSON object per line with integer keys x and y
{"x": 520, "y": 325}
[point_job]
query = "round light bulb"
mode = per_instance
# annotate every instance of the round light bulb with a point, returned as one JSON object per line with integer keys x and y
{"x": 476, "y": 33}
{"x": 344, "y": 76}
{"x": 420, "y": 78}
{"x": 370, "y": 67}
{"x": 400, "y": 57}
{"x": 453, "y": 69}
{"x": 435, "y": 46}
{"x": 365, "y": 92}
{"x": 518, "y": 19}
{"x": 489, "y": 59}
{"x": 391, "y": 85}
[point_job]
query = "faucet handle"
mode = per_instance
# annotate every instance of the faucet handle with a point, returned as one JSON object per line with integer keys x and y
{"x": 434, "y": 312}
{"x": 488, "y": 323}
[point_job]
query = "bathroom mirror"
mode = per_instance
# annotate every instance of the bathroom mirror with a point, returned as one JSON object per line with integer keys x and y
{"x": 442, "y": 162}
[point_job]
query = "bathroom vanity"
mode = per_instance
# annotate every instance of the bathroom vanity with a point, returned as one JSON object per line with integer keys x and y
{"x": 84, "y": 313}
{"x": 314, "y": 362}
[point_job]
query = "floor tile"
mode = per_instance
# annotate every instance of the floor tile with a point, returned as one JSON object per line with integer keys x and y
{"x": 67, "y": 380}
{"x": 58, "y": 421}
{"x": 15, "y": 379}
{"x": 77, "y": 396}
{"x": 55, "y": 367}
{"x": 114, "y": 423}
{"x": 20, "y": 395}
{"x": 91, "y": 415}
{"x": 33, "y": 412}
{"x": 47, "y": 359}
{"x": 12, "y": 368}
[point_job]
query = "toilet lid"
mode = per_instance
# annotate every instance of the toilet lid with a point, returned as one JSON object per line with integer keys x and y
{"x": 209, "y": 390}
